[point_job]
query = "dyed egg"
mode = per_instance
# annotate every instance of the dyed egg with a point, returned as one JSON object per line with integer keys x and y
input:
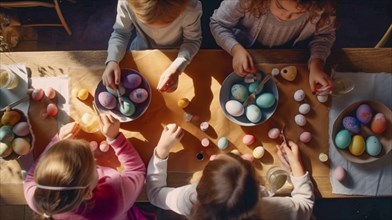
{"x": 223, "y": 143}
{"x": 379, "y": 123}
{"x": 323, "y": 157}
{"x": 234, "y": 108}
{"x": 204, "y": 126}
{"x": 351, "y": 124}
{"x": 265, "y": 100}
{"x": 274, "y": 133}
{"x": 258, "y": 152}
{"x": 322, "y": 98}
{"x": 236, "y": 152}
{"x": 289, "y": 73}
{"x": 93, "y": 145}
{"x": 51, "y": 110}
{"x": 339, "y": 173}
{"x": 128, "y": 108}
{"x": 20, "y": 146}
{"x": 5, "y": 150}
{"x": 6, "y": 134}
{"x": 10, "y": 117}
{"x": 121, "y": 90}
{"x": 343, "y": 139}
{"x": 212, "y": 157}
{"x": 50, "y": 93}
{"x": 37, "y": 94}
{"x": 305, "y": 137}
{"x": 248, "y": 139}
{"x": 357, "y": 145}
{"x": 107, "y": 100}
{"x": 304, "y": 108}
{"x": 183, "y": 102}
{"x": 373, "y": 146}
{"x": 21, "y": 129}
{"x": 205, "y": 142}
{"x": 239, "y": 92}
{"x": 300, "y": 120}
{"x": 252, "y": 87}
{"x": 275, "y": 72}
{"x": 138, "y": 95}
{"x": 364, "y": 113}
{"x": 248, "y": 157}
{"x": 82, "y": 94}
{"x": 132, "y": 81}
{"x": 253, "y": 113}
{"x": 299, "y": 95}
{"x": 104, "y": 146}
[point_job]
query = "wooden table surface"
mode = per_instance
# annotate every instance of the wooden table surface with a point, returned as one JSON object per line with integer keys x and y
{"x": 201, "y": 84}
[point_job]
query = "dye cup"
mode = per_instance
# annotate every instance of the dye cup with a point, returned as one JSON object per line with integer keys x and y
{"x": 8, "y": 79}
{"x": 277, "y": 178}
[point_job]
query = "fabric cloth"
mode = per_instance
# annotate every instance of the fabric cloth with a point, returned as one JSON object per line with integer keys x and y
{"x": 183, "y": 33}
{"x": 181, "y": 199}
{"x": 231, "y": 24}
{"x": 374, "y": 178}
{"x": 115, "y": 192}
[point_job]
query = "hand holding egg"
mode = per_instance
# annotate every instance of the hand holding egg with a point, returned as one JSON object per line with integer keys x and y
{"x": 110, "y": 126}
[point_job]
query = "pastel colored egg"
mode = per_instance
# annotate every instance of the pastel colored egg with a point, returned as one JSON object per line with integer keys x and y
{"x": 104, "y": 146}
{"x": 300, "y": 120}
{"x": 357, "y": 145}
{"x": 248, "y": 157}
{"x": 275, "y": 71}
{"x": 5, "y": 150}
{"x": 364, "y": 113}
{"x": 258, "y": 152}
{"x": 183, "y": 102}
{"x": 236, "y": 152}
{"x": 128, "y": 108}
{"x": 234, "y": 108}
{"x": 265, "y": 100}
{"x": 138, "y": 95}
{"x": 132, "y": 81}
{"x": 274, "y": 133}
{"x": 253, "y": 113}
{"x": 373, "y": 146}
{"x": 339, "y": 173}
{"x": 252, "y": 77}
{"x": 304, "y": 108}
{"x": 50, "y": 93}
{"x": 248, "y": 139}
{"x": 299, "y": 95}
{"x": 83, "y": 94}
{"x": 239, "y": 92}
{"x": 343, "y": 139}
{"x": 6, "y": 134}
{"x": 212, "y": 157}
{"x": 252, "y": 87}
{"x": 21, "y": 129}
{"x": 205, "y": 142}
{"x": 10, "y": 117}
{"x": 351, "y": 124}
{"x": 305, "y": 137}
{"x": 20, "y": 146}
{"x": 93, "y": 145}
{"x": 107, "y": 100}
{"x": 322, "y": 98}
{"x": 379, "y": 123}
{"x": 223, "y": 143}
{"x": 121, "y": 90}
{"x": 51, "y": 110}
{"x": 37, "y": 94}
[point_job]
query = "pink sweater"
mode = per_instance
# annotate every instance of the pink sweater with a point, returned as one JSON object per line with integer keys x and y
{"x": 115, "y": 193}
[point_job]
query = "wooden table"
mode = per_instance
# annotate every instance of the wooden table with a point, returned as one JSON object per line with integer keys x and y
{"x": 201, "y": 84}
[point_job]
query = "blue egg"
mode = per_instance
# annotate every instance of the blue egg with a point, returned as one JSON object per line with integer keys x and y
{"x": 252, "y": 87}
{"x": 239, "y": 92}
{"x": 343, "y": 139}
{"x": 352, "y": 124}
{"x": 223, "y": 143}
{"x": 373, "y": 146}
{"x": 265, "y": 100}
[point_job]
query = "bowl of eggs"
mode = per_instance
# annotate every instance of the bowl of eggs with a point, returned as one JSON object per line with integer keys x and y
{"x": 362, "y": 132}
{"x": 234, "y": 92}
{"x": 135, "y": 92}
{"x": 16, "y": 138}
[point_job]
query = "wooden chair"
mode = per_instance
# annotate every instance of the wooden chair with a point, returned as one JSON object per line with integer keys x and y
{"x": 48, "y": 4}
{"x": 385, "y": 38}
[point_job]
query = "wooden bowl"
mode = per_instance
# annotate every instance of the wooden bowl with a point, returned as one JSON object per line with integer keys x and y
{"x": 385, "y": 138}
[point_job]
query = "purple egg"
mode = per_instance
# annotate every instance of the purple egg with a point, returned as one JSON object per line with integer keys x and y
{"x": 364, "y": 113}
{"x": 107, "y": 100}
{"x": 138, "y": 95}
{"x": 132, "y": 81}
{"x": 351, "y": 124}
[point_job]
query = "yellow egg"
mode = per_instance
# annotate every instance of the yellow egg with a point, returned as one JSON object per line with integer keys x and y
{"x": 183, "y": 103}
{"x": 357, "y": 145}
{"x": 83, "y": 94}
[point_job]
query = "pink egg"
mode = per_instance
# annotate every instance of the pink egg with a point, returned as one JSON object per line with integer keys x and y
{"x": 104, "y": 146}
{"x": 248, "y": 139}
{"x": 273, "y": 133}
{"x": 138, "y": 95}
{"x": 234, "y": 108}
{"x": 340, "y": 173}
{"x": 212, "y": 157}
{"x": 51, "y": 110}
{"x": 107, "y": 100}
{"x": 305, "y": 137}
{"x": 205, "y": 142}
{"x": 248, "y": 157}
{"x": 21, "y": 129}
{"x": 93, "y": 145}
{"x": 379, "y": 123}
{"x": 132, "y": 81}
{"x": 50, "y": 93}
{"x": 37, "y": 94}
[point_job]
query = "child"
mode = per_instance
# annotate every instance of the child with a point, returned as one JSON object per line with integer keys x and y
{"x": 65, "y": 182}
{"x": 159, "y": 25}
{"x": 228, "y": 188}
{"x": 242, "y": 23}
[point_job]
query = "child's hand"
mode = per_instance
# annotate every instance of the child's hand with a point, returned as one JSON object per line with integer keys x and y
{"x": 169, "y": 80}
{"x": 320, "y": 82}
{"x": 112, "y": 75}
{"x": 242, "y": 61}
{"x": 290, "y": 158}
{"x": 110, "y": 126}
{"x": 69, "y": 130}
{"x": 170, "y": 136}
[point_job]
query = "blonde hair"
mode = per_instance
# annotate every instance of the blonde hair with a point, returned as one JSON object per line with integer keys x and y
{"x": 67, "y": 163}
{"x": 158, "y": 11}
{"x": 228, "y": 189}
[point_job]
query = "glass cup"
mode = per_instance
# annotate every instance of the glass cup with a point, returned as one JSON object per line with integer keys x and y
{"x": 89, "y": 123}
{"x": 277, "y": 178}
{"x": 342, "y": 86}
{"x": 8, "y": 79}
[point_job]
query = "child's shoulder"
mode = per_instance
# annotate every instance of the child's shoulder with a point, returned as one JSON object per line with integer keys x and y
{"x": 194, "y": 4}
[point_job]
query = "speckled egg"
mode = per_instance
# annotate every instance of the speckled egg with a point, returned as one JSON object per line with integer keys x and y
{"x": 37, "y": 94}
{"x": 304, "y": 108}
{"x": 299, "y": 95}
{"x": 21, "y": 129}
{"x": 364, "y": 113}
{"x": 5, "y": 150}
{"x": 239, "y": 92}
{"x": 274, "y": 133}
{"x": 300, "y": 120}
{"x": 252, "y": 87}
{"x": 373, "y": 146}
{"x": 50, "y": 93}
{"x": 351, "y": 124}
{"x": 379, "y": 123}
{"x": 223, "y": 143}
{"x": 253, "y": 113}
{"x": 107, "y": 100}
{"x": 343, "y": 139}
{"x": 339, "y": 173}
{"x": 234, "y": 108}
{"x": 132, "y": 81}
{"x": 121, "y": 89}
{"x": 258, "y": 152}
{"x": 265, "y": 100}
{"x": 305, "y": 137}
{"x": 357, "y": 145}
{"x": 128, "y": 108}
{"x": 248, "y": 139}
{"x": 20, "y": 146}
{"x": 6, "y": 134}
{"x": 138, "y": 95}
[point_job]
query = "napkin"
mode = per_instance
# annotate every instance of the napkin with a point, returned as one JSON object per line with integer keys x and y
{"x": 370, "y": 179}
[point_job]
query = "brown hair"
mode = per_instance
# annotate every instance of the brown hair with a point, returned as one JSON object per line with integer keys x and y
{"x": 228, "y": 189}
{"x": 158, "y": 11}
{"x": 326, "y": 7}
{"x": 67, "y": 163}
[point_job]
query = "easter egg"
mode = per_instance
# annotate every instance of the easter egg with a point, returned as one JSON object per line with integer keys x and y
{"x": 248, "y": 139}
{"x": 252, "y": 87}
{"x": 304, "y": 108}
{"x": 253, "y": 113}
{"x": 300, "y": 120}
{"x": 183, "y": 102}
{"x": 373, "y": 146}
{"x": 239, "y": 92}
{"x": 82, "y": 94}
{"x": 236, "y": 152}
{"x": 258, "y": 152}
{"x": 104, "y": 146}
{"x": 121, "y": 90}
{"x": 5, "y": 150}
{"x": 275, "y": 72}
{"x": 357, "y": 145}
{"x": 223, "y": 143}
{"x": 93, "y": 145}
{"x": 10, "y": 117}
{"x": 273, "y": 133}
{"x": 234, "y": 108}
{"x": 248, "y": 157}
{"x": 138, "y": 95}
{"x": 364, "y": 113}
{"x": 6, "y": 134}
{"x": 343, "y": 139}
{"x": 50, "y": 93}
{"x": 128, "y": 107}
{"x": 21, "y": 129}
{"x": 20, "y": 146}
{"x": 132, "y": 81}
{"x": 379, "y": 123}
{"x": 322, "y": 98}
{"x": 265, "y": 100}
{"x": 299, "y": 95}
{"x": 205, "y": 142}
{"x": 351, "y": 124}
{"x": 37, "y": 94}
{"x": 339, "y": 173}
{"x": 107, "y": 100}
{"x": 305, "y": 137}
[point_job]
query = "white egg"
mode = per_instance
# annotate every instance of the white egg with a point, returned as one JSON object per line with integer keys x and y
{"x": 275, "y": 71}
{"x": 258, "y": 152}
{"x": 322, "y": 98}
{"x": 304, "y": 108}
{"x": 300, "y": 120}
{"x": 253, "y": 113}
{"x": 299, "y": 95}
{"x": 234, "y": 108}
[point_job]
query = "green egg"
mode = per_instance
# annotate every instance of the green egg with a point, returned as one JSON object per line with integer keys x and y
{"x": 343, "y": 139}
{"x": 266, "y": 100}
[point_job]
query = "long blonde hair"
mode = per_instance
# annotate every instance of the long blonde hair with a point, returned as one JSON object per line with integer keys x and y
{"x": 158, "y": 11}
{"x": 67, "y": 163}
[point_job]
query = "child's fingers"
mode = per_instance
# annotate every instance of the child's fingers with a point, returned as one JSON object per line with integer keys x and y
{"x": 179, "y": 132}
{"x": 117, "y": 77}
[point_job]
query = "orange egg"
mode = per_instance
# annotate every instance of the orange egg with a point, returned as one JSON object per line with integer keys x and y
{"x": 379, "y": 123}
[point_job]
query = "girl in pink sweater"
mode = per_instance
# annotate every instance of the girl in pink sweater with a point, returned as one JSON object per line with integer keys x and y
{"x": 65, "y": 182}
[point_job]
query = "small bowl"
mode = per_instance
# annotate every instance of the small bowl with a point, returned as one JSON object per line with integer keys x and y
{"x": 225, "y": 95}
{"x": 385, "y": 138}
{"x": 140, "y": 107}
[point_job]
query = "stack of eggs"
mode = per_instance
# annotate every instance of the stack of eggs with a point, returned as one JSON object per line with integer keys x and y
{"x": 240, "y": 91}
{"x": 132, "y": 94}
{"x": 351, "y": 136}
{"x": 15, "y": 135}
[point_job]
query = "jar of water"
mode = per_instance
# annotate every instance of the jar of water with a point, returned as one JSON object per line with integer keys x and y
{"x": 8, "y": 79}
{"x": 277, "y": 178}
